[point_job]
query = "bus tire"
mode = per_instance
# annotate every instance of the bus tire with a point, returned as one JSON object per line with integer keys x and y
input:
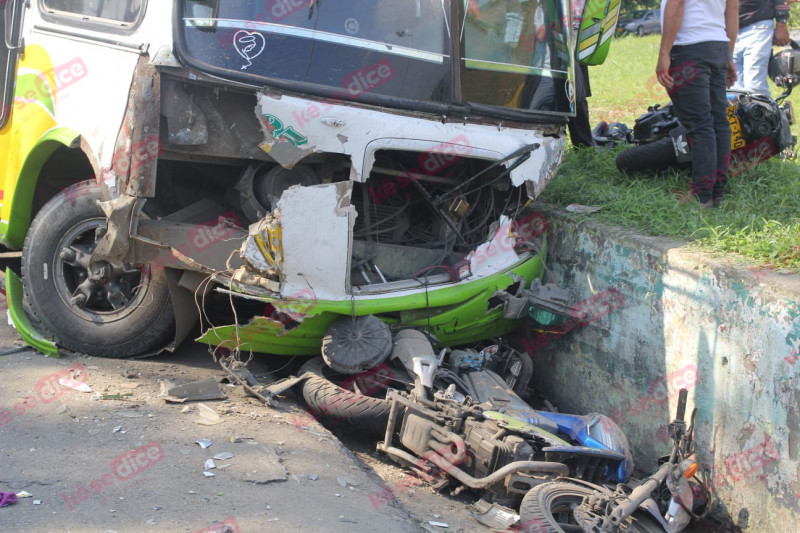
{"x": 100, "y": 309}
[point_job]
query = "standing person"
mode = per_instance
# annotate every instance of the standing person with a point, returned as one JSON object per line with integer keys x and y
{"x": 697, "y": 40}
{"x": 762, "y": 23}
{"x": 580, "y": 130}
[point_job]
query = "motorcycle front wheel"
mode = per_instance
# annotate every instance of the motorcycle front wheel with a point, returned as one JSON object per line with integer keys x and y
{"x": 349, "y": 400}
{"x": 550, "y": 507}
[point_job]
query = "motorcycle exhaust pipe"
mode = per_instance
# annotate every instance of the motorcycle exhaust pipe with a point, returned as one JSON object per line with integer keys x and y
{"x": 557, "y": 469}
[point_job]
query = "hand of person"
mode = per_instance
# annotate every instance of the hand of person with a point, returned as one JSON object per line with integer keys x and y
{"x": 731, "y": 76}
{"x": 781, "y": 35}
{"x": 662, "y": 71}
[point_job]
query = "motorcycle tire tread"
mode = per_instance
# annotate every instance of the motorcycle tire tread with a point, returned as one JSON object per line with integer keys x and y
{"x": 332, "y": 402}
{"x": 536, "y": 509}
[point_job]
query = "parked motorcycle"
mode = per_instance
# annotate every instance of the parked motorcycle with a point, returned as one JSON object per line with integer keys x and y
{"x": 760, "y": 127}
{"x": 456, "y": 422}
{"x": 665, "y": 501}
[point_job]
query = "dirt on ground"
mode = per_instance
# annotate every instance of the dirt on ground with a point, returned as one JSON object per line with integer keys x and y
{"x": 122, "y": 459}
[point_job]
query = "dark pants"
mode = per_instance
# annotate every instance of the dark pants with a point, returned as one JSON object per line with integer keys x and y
{"x": 580, "y": 131}
{"x": 698, "y": 96}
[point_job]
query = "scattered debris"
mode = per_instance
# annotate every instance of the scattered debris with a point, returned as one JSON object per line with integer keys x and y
{"x": 129, "y": 414}
{"x": 130, "y": 374}
{"x": 7, "y": 498}
{"x": 494, "y": 516}
{"x": 204, "y": 443}
{"x": 75, "y": 385}
{"x": 344, "y": 482}
{"x": 349, "y": 520}
{"x": 37, "y": 502}
{"x": 129, "y": 385}
{"x": 223, "y": 456}
{"x": 208, "y": 389}
{"x": 259, "y": 464}
{"x": 24, "y": 494}
{"x": 116, "y": 396}
{"x": 116, "y": 429}
{"x": 208, "y": 416}
{"x": 187, "y": 409}
{"x": 210, "y": 464}
{"x": 209, "y": 474}
{"x": 61, "y": 409}
{"x": 583, "y": 209}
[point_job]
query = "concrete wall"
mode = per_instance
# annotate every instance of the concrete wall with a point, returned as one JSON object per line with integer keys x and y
{"x": 729, "y": 333}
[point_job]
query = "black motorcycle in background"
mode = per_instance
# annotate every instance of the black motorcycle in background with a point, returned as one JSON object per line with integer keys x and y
{"x": 760, "y": 127}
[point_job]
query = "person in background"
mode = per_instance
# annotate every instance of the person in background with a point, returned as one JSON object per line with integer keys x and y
{"x": 762, "y": 23}
{"x": 580, "y": 130}
{"x": 697, "y": 40}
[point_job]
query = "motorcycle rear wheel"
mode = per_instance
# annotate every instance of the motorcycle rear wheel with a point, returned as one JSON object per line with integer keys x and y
{"x": 327, "y": 399}
{"x": 648, "y": 157}
{"x": 550, "y": 507}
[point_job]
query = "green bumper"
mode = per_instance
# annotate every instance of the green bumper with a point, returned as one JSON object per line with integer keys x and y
{"x": 20, "y": 319}
{"x": 456, "y": 315}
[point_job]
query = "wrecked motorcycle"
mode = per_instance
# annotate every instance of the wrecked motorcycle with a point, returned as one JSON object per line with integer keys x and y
{"x": 456, "y": 423}
{"x": 760, "y": 127}
{"x": 665, "y": 501}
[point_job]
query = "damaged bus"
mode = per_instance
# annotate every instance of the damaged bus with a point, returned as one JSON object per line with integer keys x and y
{"x": 268, "y": 166}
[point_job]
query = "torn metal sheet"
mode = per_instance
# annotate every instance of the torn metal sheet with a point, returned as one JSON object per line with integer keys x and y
{"x": 316, "y": 225}
{"x": 494, "y": 516}
{"x": 207, "y": 389}
{"x": 296, "y": 127}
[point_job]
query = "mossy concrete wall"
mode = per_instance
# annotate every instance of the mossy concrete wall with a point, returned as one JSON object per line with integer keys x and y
{"x": 728, "y": 332}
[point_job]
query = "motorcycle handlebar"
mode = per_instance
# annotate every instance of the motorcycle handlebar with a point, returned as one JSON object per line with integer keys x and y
{"x": 682, "y": 395}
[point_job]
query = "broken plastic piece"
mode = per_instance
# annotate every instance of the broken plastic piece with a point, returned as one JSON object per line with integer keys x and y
{"x": 223, "y": 456}
{"x": 209, "y": 474}
{"x": 204, "y": 443}
{"x": 75, "y": 385}
{"x": 210, "y": 465}
{"x": 208, "y": 416}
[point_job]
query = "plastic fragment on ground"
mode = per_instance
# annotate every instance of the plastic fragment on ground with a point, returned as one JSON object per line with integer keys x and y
{"x": 204, "y": 443}
{"x": 223, "y": 456}
{"x": 75, "y": 385}
{"x": 208, "y": 416}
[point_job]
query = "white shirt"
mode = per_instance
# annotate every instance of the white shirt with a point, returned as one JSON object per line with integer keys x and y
{"x": 703, "y": 20}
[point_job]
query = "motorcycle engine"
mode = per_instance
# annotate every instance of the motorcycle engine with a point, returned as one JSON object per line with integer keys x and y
{"x": 491, "y": 450}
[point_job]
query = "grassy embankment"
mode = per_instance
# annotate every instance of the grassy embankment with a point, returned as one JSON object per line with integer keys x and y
{"x": 760, "y": 218}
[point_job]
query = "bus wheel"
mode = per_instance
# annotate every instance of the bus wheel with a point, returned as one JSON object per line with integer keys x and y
{"x": 99, "y": 309}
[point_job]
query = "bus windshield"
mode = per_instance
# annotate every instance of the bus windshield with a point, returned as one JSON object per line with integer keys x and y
{"x": 511, "y": 54}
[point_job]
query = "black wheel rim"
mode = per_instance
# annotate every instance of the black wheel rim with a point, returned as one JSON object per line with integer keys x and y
{"x": 98, "y": 291}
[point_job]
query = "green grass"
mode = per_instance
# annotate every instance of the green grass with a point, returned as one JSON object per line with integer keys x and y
{"x": 760, "y": 218}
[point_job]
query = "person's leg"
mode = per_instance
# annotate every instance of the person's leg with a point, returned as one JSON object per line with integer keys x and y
{"x": 692, "y": 104}
{"x": 580, "y": 131}
{"x": 722, "y": 128}
{"x": 758, "y": 50}
{"x": 738, "y": 57}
